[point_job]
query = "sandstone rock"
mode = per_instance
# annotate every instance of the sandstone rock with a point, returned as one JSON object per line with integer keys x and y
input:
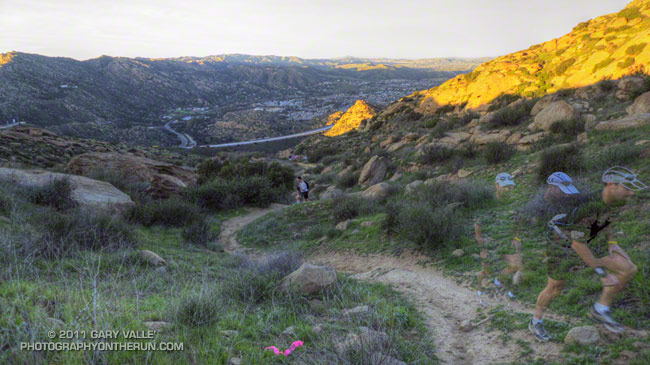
{"x": 157, "y": 325}
{"x": 317, "y": 330}
{"x": 466, "y": 326}
{"x": 411, "y": 137}
{"x": 366, "y": 339}
{"x": 455, "y": 138}
{"x": 583, "y": 138}
{"x": 485, "y": 138}
{"x": 514, "y": 138}
{"x": 411, "y": 187}
{"x": 358, "y": 310}
{"x": 527, "y": 142}
{"x": 235, "y": 361}
{"x": 373, "y": 171}
{"x": 330, "y": 193}
{"x": 387, "y": 141}
{"x": 517, "y": 278}
{"x": 396, "y": 146}
{"x": 462, "y": 173}
{"x": 289, "y": 331}
{"x": 346, "y": 170}
{"x": 631, "y": 121}
{"x": 630, "y": 84}
{"x": 87, "y": 193}
{"x": 585, "y": 335}
{"x": 541, "y": 104}
{"x": 558, "y": 111}
{"x": 377, "y": 358}
{"x": 458, "y": 253}
{"x": 641, "y": 105}
{"x": 151, "y": 258}
{"x": 395, "y": 177}
{"x": 342, "y": 226}
{"x": 367, "y": 224}
{"x": 487, "y": 118}
{"x": 377, "y": 191}
{"x": 164, "y": 179}
{"x": 367, "y": 149}
{"x": 309, "y": 279}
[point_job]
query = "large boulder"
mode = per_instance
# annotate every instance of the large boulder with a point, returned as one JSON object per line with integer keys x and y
{"x": 558, "y": 111}
{"x": 87, "y": 193}
{"x": 377, "y": 191}
{"x": 631, "y": 121}
{"x": 412, "y": 186}
{"x": 396, "y": 146}
{"x": 373, "y": 171}
{"x": 628, "y": 86}
{"x": 164, "y": 179}
{"x": 309, "y": 279}
{"x": 455, "y": 138}
{"x": 585, "y": 335}
{"x": 486, "y": 138}
{"x": 541, "y": 104}
{"x": 330, "y": 193}
{"x": 641, "y": 105}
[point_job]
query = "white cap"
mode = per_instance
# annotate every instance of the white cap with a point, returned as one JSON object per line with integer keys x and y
{"x": 623, "y": 175}
{"x": 504, "y": 179}
{"x": 562, "y": 181}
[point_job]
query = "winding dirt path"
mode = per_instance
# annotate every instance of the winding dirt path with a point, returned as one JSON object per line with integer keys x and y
{"x": 444, "y": 303}
{"x": 230, "y": 227}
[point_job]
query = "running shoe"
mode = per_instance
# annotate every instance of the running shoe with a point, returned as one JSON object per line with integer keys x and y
{"x": 606, "y": 320}
{"x": 539, "y": 331}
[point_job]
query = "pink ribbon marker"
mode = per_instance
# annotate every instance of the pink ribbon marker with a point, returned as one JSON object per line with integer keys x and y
{"x": 286, "y": 352}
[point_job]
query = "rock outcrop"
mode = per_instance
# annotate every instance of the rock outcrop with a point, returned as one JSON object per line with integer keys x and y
{"x": 641, "y": 105}
{"x": 558, "y": 111}
{"x": 309, "y": 279}
{"x": 373, "y": 171}
{"x": 87, "y": 193}
{"x": 351, "y": 119}
{"x": 164, "y": 179}
{"x": 632, "y": 121}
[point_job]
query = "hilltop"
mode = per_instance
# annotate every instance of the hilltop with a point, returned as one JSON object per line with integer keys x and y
{"x": 351, "y": 119}
{"x": 606, "y": 47}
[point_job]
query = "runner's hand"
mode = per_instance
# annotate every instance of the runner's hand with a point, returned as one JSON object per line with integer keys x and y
{"x": 614, "y": 248}
{"x": 609, "y": 280}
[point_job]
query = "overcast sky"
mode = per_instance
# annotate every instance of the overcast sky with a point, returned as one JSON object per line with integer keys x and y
{"x": 85, "y": 29}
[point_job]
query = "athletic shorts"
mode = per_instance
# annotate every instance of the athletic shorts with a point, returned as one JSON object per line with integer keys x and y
{"x": 305, "y": 194}
{"x": 560, "y": 262}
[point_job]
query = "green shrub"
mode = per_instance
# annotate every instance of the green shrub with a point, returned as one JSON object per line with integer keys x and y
{"x": 56, "y": 194}
{"x": 198, "y": 233}
{"x": 346, "y": 207}
{"x": 82, "y": 230}
{"x": 430, "y": 122}
{"x": 432, "y": 154}
{"x": 570, "y": 128}
{"x": 564, "y": 65}
{"x": 201, "y": 309}
{"x": 428, "y": 228}
{"x": 562, "y": 158}
{"x": 469, "y": 151}
{"x": 510, "y": 116}
{"x": 465, "y": 195}
{"x": 498, "y": 152}
{"x": 626, "y": 63}
{"x": 602, "y": 64}
{"x": 619, "y": 154}
{"x": 172, "y": 212}
{"x": 316, "y": 154}
{"x": 630, "y": 13}
{"x": 635, "y": 49}
{"x": 227, "y": 194}
{"x": 471, "y": 76}
{"x": 348, "y": 180}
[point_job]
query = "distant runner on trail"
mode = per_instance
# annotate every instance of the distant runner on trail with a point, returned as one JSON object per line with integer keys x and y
{"x": 503, "y": 183}
{"x": 564, "y": 251}
{"x": 303, "y": 189}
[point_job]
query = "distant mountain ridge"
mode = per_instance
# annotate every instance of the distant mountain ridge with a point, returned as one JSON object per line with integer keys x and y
{"x": 119, "y": 90}
{"x": 608, "y": 46}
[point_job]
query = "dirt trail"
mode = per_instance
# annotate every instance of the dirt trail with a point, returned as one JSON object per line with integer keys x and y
{"x": 445, "y": 305}
{"x": 230, "y": 227}
{"x": 443, "y": 302}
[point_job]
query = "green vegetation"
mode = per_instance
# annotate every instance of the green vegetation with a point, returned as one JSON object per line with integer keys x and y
{"x": 470, "y": 77}
{"x": 570, "y": 128}
{"x": 630, "y": 13}
{"x": 602, "y": 64}
{"x": 627, "y": 63}
{"x": 564, "y": 65}
{"x": 562, "y": 158}
{"x": 498, "y": 152}
{"x": 510, "y": 116}
{"x": 635, "y": 49}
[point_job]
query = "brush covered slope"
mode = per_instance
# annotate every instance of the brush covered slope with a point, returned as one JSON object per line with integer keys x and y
{"x": 609, "y": 46}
